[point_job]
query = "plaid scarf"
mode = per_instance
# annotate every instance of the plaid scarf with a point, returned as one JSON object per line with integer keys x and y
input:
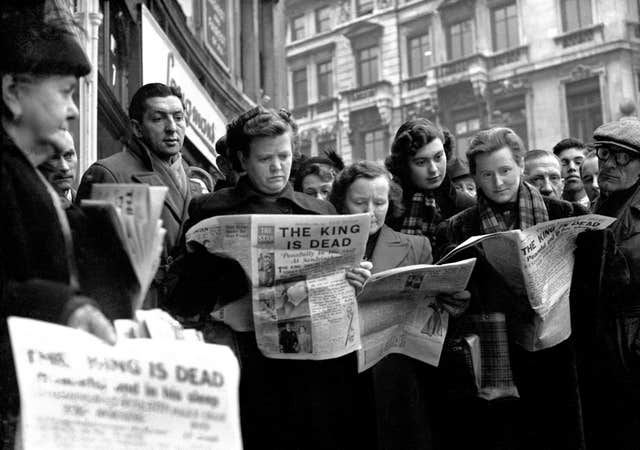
{"x": 423, "y": 215}
{"x": 531, "y": 211}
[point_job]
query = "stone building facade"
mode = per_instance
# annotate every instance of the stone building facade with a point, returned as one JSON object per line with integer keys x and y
{"x": 357, "y": 69}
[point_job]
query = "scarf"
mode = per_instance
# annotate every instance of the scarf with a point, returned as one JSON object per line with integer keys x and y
{"x": 423, "y": 215}
{"x": 531, "y": 211}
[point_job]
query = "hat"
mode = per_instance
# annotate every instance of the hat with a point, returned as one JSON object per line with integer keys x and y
{"x": 623, "y": 133}
{"x": 458, "y": 168}
{"x": 42, "y": 49}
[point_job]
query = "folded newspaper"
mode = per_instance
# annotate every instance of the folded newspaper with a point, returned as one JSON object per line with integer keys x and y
{"x": 133, "y": 213}
{"x": 301, "y": 305}
{"x": 76, "y": 392}
{"x": 537, "y": 264}
{"x": 399, "y": 312}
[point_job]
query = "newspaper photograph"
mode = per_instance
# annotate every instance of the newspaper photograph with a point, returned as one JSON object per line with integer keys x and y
{"x": 302, "y": 305}
{"x": 537, "y": 264}
{"x": 77, "y": 392}
{"x": 399, "y": 311}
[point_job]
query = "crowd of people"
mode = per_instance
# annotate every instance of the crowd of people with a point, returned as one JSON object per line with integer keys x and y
{"x": 581, "y": 393}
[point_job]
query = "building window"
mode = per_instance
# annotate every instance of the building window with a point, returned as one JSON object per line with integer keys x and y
{"x": 325, "y": 84}
{"x": 367, "y": 60}
{"x": 305, "y": 147}
{"x": 466, "y": 124}
{"x": 459, "y": 39}
{"x": 113, "y": 50}
{"x": 576, "y": 14}
{"x": 512, "y": 113}
{"x": 504, "y": 27}
{"x": 323, "y": 19}
{"x": 419, "y": 51}
{"x": 364, "y": 7}
{"x": 375, "y": 145}
{"x": 326, "y": 146}
{"x": 297, "y": 28}
{"x": 584, "y": 108}
{"x": 299, "y": 81}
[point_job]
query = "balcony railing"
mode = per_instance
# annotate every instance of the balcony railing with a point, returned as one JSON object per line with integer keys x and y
{"x": 312, "y": 110}
{"x": 580, "y": 36}
{"x": 510, "y": 56}
{"x": 370, "y": 91}
{"x": 459, "y": 66}
{"x": 414, "y": 83}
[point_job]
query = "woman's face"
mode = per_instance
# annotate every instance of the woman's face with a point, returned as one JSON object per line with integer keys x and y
{"x": 498, "y": 175}
{"x": 428, "y": 166}
{"x": 369, "y": 196}
{"x": 316, "y": 187}
{"x": 269, "y": 162}
{"x": 43, "y": 107}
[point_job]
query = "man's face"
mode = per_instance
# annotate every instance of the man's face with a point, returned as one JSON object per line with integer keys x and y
{"x": 465, "y": 186}
{"x": 571, "y": 160}
{"x": 428, "y": 166}
{"x": 163, "y": 126}
{"x": 544, "y": 173}
{"x": 45, "y": 107}
{"x": 60, "y": 169}
{"x": 614, "y": 177}
{"x": 589, "y": 172}
{"x": 268, "y": 164}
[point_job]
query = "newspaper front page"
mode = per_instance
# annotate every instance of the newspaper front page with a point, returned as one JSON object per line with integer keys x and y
{"x": 77, "y": 392}
{"x": 399, "y": 312}
{"x": 537, "y": 264}
{"x": 302, "y": 306}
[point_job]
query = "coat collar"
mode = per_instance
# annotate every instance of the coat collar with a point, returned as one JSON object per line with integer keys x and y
{"x": 391, "y": 250}
{"x": 175, "y": 202}
{"x": 628, "y": 222}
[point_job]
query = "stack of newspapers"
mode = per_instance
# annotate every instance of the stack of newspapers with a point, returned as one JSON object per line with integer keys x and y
{"x": 118, "y": 269}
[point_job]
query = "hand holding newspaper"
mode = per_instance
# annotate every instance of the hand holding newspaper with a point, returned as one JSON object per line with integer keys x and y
{"x": 399, "y": 311}
{"x": 302, "y": 305}
{"x": 77, "y": 392}
{"x": 134, "y": 211}
{"x": 537, "y": 264}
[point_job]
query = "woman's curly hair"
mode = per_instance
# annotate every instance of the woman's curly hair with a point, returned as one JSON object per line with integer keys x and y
{"x": 367, "y": 170}
{"x": 409, "y": 139}
{"x": 258, "y": 122}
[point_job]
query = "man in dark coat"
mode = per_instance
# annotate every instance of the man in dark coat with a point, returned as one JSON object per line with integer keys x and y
{"x": 37, "y": 270}
{"x": 608, "y": 327}
{"x": 153, "y": 157}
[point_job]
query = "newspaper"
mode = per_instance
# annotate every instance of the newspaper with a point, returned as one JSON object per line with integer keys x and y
{"x": 537, "y": 264}
{"x": 77, "y": 392}
{"x": 134, "y": 211}
{"x": 302, "y": 307}
{"x": 399, "y": 312}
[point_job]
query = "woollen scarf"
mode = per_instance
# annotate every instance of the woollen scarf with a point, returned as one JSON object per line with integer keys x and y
{"x": 531, "y": 210}
{"x": 423, "y": 215}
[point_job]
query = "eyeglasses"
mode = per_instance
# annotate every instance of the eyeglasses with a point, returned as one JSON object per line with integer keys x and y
{"x": 621, "y": 157}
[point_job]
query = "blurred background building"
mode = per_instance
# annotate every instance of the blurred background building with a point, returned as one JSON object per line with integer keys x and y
{"x": 549, "y": 69}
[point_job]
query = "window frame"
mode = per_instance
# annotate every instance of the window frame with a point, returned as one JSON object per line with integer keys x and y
{"x": 295, "y": 83}
{"x": 321, "y": 75}
{"x": 581, "y": 6}
{"x": 364, "y": 7}
{"x": 425, "y": 61}
{"x": 450, "y": 36}
{"x": 319, "y": 20}
{"x": 372, "y": 62}
{"x": 298, "y": 33}
{"x": 576, "y": 112}
{"x": 510, "y": 41}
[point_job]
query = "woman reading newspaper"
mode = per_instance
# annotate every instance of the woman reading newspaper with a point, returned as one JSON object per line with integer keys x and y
{"x": 283, "y": 403}
{"x": 400, "y": 413}
{"x": 525, "y": 399}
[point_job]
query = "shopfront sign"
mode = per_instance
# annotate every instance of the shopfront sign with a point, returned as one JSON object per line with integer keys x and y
{"x": 216, "y": 29}
{"x": 161, "y": 63}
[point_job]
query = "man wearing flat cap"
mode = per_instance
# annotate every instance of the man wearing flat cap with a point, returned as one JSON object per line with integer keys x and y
{"x": 607, "y": 315}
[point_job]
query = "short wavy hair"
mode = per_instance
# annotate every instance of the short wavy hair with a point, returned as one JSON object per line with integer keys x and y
{"x": 258, "y": 122}
{"x": 367, "y": 170}
{"x": 322, "y": 171}
{"x": 411, "y": 137}
{"x": 138, "y": 104}
{"x": 494, "y": 139}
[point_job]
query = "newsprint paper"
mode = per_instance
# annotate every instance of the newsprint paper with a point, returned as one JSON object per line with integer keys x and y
{"x": 303, "y": 307}
{"x": 537, "y": 264}
{"x": 77, "y": 392}
{"x": 399, "y": 311}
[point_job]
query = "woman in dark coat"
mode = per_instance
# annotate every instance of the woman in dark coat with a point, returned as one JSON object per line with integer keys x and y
{"x": 284, "y": 404}
{"x": 396, "y": 392}
{"x": 547, "y": 414}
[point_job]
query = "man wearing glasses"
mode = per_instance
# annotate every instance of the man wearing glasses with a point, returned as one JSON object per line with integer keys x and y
{"x": 614, "y": 320}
